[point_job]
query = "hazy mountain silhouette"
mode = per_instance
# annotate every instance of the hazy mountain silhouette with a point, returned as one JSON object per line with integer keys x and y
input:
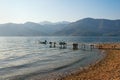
{"x": 29, "y": 29}
{"x": 83, "y": 27}
{"x": 92, "y": 27}
{"x": 54, "y": 27}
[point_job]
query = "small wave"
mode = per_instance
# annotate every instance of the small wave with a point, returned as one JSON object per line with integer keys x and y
{"x": 24, "y": 77}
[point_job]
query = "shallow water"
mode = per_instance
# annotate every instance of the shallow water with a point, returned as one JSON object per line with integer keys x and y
{"x": 23, "y": 57}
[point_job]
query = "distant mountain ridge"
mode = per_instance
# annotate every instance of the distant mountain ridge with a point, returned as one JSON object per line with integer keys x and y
{"x": 29, "y": 29}
{"x": 83, "y": 27}
{"x": 92, "y": 27}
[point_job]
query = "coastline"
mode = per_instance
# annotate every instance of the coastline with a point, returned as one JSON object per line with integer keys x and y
{"x": 106, "y": 69}
{"x": 58, "y": 74}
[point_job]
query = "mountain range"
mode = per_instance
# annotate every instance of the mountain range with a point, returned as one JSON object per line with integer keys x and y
{"x": 30, "y": 29}
{"x": 92, "y": 27}
{"x": 82, "y": 27}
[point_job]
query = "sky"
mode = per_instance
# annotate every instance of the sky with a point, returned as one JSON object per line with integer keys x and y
{"x": 20, "y": 11}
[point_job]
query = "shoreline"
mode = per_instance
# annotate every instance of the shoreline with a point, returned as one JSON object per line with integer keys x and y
{"x": 106, "y": 69}
{"x": 59, "y": 74}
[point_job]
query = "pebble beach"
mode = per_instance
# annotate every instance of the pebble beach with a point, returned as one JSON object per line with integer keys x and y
{"x": 107, "y": 69}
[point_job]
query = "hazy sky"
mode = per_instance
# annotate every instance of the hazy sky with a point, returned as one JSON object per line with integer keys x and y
{"x": 20, "y": 11}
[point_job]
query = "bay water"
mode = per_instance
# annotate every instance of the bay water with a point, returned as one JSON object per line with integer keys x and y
{"x": 24, "y": 58}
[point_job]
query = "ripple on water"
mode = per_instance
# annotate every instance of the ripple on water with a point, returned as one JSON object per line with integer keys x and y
{"x": 24, "y": 59}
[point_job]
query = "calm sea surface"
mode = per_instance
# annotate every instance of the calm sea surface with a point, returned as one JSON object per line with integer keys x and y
{"x": 24, "y": 58}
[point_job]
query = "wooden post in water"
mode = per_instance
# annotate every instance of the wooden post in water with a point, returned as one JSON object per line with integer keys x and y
{"x": 60, "y": 43}
{"x": 75, "y": 46}
{"x": 50, "y": 44}
{"x": 64, "y": 45}
{"x": 92, "y": 46}
{"x": 54, "y": 44}
{"x": 100, "y": 46}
